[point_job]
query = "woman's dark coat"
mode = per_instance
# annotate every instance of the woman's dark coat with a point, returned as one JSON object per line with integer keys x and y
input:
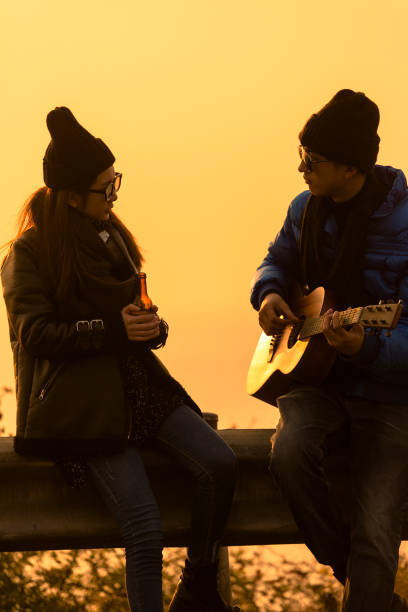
{"x": 69, "y": 389}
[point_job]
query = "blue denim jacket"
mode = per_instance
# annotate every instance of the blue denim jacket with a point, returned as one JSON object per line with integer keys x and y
{"x": 380, "y": 370}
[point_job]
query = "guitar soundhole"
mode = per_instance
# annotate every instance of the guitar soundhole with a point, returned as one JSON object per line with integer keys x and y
{"x": 294, "y": 334}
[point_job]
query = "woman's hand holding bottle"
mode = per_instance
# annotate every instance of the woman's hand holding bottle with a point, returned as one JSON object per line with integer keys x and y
{"x": 140, "y": 324}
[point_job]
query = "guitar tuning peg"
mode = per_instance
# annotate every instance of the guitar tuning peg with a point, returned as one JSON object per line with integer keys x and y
{"x": 381, "y": 302}
{"x": 388, "y": 333}
{"x": 378, "y": 331}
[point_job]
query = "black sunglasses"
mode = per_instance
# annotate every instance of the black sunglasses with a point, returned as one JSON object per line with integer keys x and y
{"x": 308, "y": 160}
{"x": 111, "y": 188}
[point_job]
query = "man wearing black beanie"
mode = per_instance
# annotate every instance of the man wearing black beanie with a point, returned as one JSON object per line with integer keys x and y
{"x": 348, "y": 233}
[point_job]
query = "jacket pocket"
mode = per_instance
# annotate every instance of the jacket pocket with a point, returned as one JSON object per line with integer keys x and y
{"x": 47, "y": 384}
{"x": 78, "y": 399}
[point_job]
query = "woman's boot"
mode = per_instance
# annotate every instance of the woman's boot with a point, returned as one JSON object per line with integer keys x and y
{"x": 197, "y": 591}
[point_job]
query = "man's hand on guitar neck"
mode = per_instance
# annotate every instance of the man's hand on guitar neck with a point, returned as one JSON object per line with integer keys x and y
{"x": 274, "y": 314}
{"x": 345, "y": 341}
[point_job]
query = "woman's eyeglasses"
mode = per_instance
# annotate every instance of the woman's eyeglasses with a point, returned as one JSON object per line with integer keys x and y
{"x": 308, "y": 160}
{"x": 111, "y": 188}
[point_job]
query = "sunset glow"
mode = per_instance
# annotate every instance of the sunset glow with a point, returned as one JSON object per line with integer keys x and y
{"x": 201, "y": 103}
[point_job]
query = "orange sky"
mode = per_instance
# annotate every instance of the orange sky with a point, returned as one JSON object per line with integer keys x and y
{"x": 201, "y": 103}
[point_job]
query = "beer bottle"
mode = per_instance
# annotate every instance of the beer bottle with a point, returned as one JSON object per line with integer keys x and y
{"x": 143, "y": 300}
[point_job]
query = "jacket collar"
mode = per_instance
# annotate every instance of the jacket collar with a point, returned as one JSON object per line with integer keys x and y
{"x": 398, "y": 189}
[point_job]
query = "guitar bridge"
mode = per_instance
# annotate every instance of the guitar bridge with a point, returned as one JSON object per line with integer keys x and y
{"x": 273, "y": 345}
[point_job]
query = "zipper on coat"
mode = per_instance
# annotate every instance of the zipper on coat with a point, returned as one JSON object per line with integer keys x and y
{"x": 48, "y": 383}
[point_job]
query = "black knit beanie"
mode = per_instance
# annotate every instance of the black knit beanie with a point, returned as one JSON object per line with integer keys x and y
{"x": 345, "y": 130}
{"x": 73, "y": 158}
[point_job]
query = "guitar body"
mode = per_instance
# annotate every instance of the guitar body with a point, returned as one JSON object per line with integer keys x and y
{"x": 294, "y": 361}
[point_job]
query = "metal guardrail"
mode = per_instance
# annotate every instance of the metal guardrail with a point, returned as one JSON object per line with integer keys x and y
{"x": 39, "y": 511}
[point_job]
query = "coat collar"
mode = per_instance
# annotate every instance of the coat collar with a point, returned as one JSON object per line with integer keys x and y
{"x": 398, "y": 189}
{"x": 88, "y": 234}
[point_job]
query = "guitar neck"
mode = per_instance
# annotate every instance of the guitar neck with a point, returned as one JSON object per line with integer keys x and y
{"x": 314, "y": 325}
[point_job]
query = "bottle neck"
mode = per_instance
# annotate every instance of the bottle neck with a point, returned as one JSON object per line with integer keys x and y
{"x": 144, "y": 301}
{"x": 143, "y": 285}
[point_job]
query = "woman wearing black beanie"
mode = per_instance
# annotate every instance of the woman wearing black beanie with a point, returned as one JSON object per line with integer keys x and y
{"x": 90, "y": 391}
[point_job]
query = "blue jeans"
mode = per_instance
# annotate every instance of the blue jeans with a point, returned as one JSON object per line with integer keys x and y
{"x": 122, "y": 482}
{"x": 364, "y": 555}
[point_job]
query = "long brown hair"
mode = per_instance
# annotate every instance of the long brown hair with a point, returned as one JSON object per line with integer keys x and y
{"x": 48, "y": 212}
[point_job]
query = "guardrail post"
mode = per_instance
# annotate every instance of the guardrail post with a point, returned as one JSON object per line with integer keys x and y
{"x": 223, "y": 575}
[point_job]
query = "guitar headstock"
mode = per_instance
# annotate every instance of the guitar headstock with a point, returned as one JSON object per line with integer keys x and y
{"x": 381, "y": 315}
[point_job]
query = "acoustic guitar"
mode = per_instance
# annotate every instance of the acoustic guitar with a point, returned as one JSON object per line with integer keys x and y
{"x": 300, "y": 353}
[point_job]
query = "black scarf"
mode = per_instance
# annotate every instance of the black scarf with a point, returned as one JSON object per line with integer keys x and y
{"x": 344, "y": 276}
{"x": 98, "y": 292}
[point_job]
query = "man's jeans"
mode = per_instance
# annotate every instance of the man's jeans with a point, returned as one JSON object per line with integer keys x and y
{"x": 122, "y": 482}
{"x": 364, "y": 555}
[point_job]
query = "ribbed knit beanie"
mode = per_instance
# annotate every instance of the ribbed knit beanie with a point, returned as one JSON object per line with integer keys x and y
{"x": 74, "y": 157}
{"x": 345, "y": 130}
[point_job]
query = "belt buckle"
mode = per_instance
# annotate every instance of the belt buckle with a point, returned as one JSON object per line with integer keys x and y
{"x": 97, "y": 325}
{"x": 82, "y": 327}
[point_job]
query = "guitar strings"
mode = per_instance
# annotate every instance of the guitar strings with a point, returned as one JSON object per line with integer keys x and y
{"x": 314, "y": 325}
